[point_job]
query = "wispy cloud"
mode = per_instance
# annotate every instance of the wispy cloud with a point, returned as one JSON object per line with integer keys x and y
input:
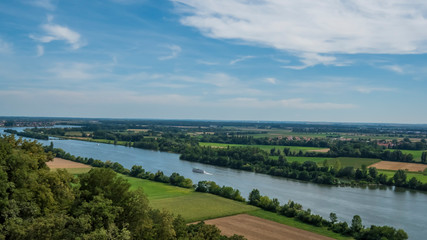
{"x": 175, "y": 51}
{"x": 5, "y": 47}
{"x": 271, "y": 80}
{"x": 240, "y": 59}
{"x": 373, "y": 89}
{"x": 394, "y": 68}
{"x": 55, "y": 32}
{"x": 40, "y": 50}
{"x": 314, "y": 28}
{"x": 312, "y": 59}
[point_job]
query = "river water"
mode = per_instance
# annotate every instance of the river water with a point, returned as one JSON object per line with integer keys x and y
{"x": 378, "y": 206}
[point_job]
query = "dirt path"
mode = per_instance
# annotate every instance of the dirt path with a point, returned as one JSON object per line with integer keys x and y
{"x": 62, "y": 163}
{"x": 388, "y": 165}
{"x": 255, "y": 228}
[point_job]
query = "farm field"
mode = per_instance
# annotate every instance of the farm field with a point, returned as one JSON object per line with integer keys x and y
{"x": 353, "y": 162}
{"x": 62, "y": 163}
{"x": 388, "y": 165}
{"x": 263, "y": 147}
{"x": 255, "y": 228}
{"x": 420, "y": 176}
{"x": 345, "y": 161}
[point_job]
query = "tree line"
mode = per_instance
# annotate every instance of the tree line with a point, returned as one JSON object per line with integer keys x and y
{"x": 356, "y": 229}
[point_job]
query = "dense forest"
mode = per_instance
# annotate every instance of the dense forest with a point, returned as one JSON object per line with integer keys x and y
{"x": 37, "y": 203}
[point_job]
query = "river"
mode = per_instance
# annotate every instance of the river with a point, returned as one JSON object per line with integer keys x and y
{"x": 399, "y": 208}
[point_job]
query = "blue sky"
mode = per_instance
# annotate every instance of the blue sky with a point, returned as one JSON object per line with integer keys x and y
{"x": 280, "y": 60}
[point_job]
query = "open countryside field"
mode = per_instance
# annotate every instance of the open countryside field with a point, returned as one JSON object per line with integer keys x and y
{"x": 420, "y": 176}
{"x": 266, "y": 148}
{"x": 255, "y": 228}
{"x": 353, "y": 162}
{"x": 345, "y": 161}
{"x": 388, "y": 165}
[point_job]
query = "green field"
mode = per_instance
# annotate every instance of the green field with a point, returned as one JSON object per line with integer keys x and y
{"x": 266, "y": 148}
{"x": 195, "y": 206}
{"x": 345, "y": 161}
{"x": 353, "y": 162}
{"x": 421, "y": 177}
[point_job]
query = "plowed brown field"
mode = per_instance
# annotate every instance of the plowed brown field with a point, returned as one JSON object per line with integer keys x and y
{"x": 387, "y": 165}
{"x": 255, "y": 228}
{"x": 62, "y": 163}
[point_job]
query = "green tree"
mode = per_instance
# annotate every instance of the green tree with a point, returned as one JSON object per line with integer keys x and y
{"x": 333, "y": 217}
{"x": 399, "y": 178}
{"x": 424, "y": 157}
{"x": 356, "y": 224}
{"x": 254, "y": 197}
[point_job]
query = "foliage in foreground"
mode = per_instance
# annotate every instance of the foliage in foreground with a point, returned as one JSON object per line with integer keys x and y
{"x": 37, "y": 203}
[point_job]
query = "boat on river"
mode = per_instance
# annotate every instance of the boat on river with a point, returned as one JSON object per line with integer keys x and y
{"x": 198, "y": 170}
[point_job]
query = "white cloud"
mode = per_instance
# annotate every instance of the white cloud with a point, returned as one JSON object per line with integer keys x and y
{"x": 5, "y": 47}
{"x": 373, "y": 89}
{"x": 175, "y": 50}
{"x": 393, "y": 68}
{"x": 55, "y": 32}
{"x": 271, "y": 80}
{"x": 314, "y": 29}
{"x": 40, "y": 50}
{"x": 240, "y": 59}
{"x": 312, "y": 59}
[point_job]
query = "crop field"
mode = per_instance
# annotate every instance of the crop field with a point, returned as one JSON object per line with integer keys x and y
{"x": 388, "y": 165}
{"x": 266, "y": 148}
{"x": 353, "y": 162}
{"x": 420, "y": 176}
{"x": 195, "y": 206}
{"x": 294, "y": 223}
{"x": 255, "y": 228}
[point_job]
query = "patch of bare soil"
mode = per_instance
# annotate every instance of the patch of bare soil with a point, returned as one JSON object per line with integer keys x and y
{"x": 388, "y": 165}
{"x": 62, "y": 163}
{"x": 319, "y": 150}
{"x": 255, "y": 228}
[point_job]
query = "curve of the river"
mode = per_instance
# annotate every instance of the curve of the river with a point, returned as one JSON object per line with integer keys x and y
{"x": 386, "y": 206}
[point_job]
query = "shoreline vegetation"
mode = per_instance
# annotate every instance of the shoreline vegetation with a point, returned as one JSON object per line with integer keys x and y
{"x": 290, "y": 209}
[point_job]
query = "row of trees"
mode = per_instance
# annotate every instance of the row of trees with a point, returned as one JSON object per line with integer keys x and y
{"x": 356, "y": 229}
{"x": 37, "y": 203}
